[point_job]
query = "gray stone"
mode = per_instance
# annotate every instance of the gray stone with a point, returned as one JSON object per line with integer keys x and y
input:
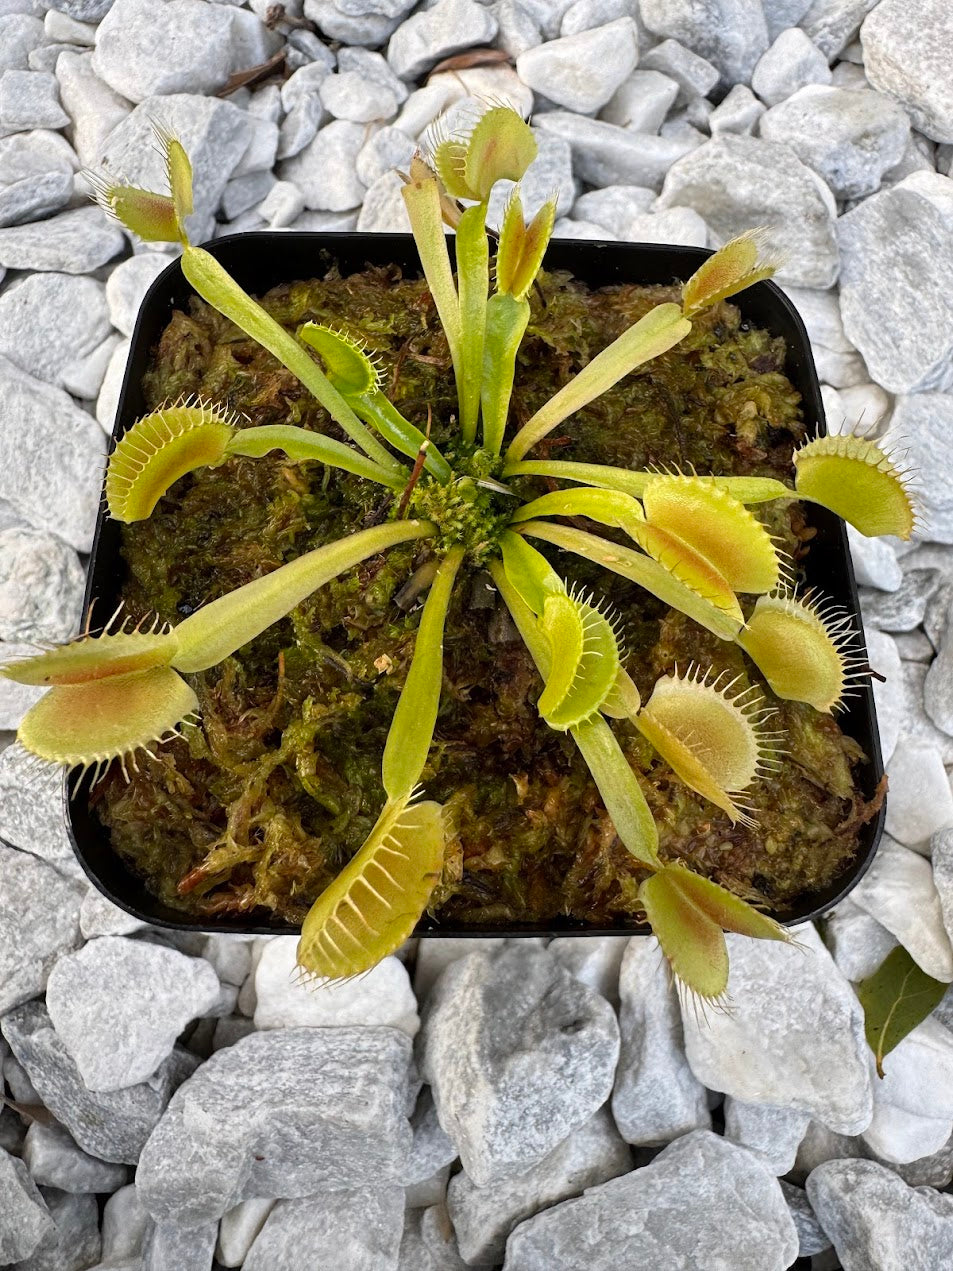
{"x": 832, "y": 24}
{"x": 125, "y": 1223}
{"x": 920, "y": 797}
{"x": 858, "y": 942}
{"x": 910, "y": 61}
{"x": 584, "y": 15}
{"x": 74, "y": 242}
{"x": 215, "y": 134}
{"x": 246, "y": 1124}
{"x": 566, "y": 228}
{"x": 794, "y": 1037}
{"x": 40, "y": 921}
{"x": 866, "y": 407}
{"x": 656, "y": 1096}
{"x": 898, "y": 890}
{"x": 41, "y": 587}
{"x": 54, "y": 1159}
{"x": 16, "y": 699}
{"x": 731, "y": 34}
{"x": 238, "y": 1229}
{"x": 898, "y": 306}
{"x": 812, "y": 1238}
{"x": 941, "y": 854}
{"x": 74, "y": 1244}
{"x": 118, "y": 1005}
{"x": 581, "y": 72}
{"x": 367, "y": 29}
{"x": 428, "y": 1242}
{"x": 386, "y": 150}
{"x": 432, "y": 1149}
{"x": 30, "y": 99}
{"x": 383, "y": 209}
{"x": 790, "y": 63}
{"x": 34, "y": 154}
{"x": 362, "y": 1227}
{"x": 127, "y": 285}
{"x": 300, "y": 125}
{"x": 324, "y": 171}
{"x": 112, "y": 1126}
{"x": 82, "y": 10}
{"x": 499, "y": 1029}
{"x": 432, "y": 34}
{"x": 306, "y": 81}
{"x": 49, "y": 320}
{"x": 916, "y": 725}
{"x": 34, "y": 197}
{"x": 781, "y": 14}
{"x": 363, "y": 89}
{"x": 876, "y": 1222}
{"x": 695, "y": 75}
{"x": 51, "y": 456}
{"x": 736, "y": 182}
{"x": 774, "y": 1132}
{"x": 94, "y": 108}
{"x": 875, "y": 561}
{"x": 20, "y": 34}
{"x": 382, "y": 996}
{"x": 921, "y": 424}
{"x": 596, "y": 961}
{"x": 60, "y": 26}
{"x": 25, "y": 1221}
{"x": 641, "y": 102}
{"x": 168, "y": 1245}
{"x": 702, "y": 1203}
{"x": 108, "y": 398}
{"x": 738, "y": 111}
{"x": 680, "y": 225}
{"x": 483, "y": 1217}
{"x": 550, "y": 174}
{"x": 434, "y": 955}
{"x": 903, "y": 609}
{"x": 914, "y": 646}
{"x": 604, "y": 154}
{"x": 849, "y": 137}
{"x": 613, "y": 208}
{"x": 147, "y": 48}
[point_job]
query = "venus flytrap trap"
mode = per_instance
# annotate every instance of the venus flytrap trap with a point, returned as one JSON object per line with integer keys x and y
{"x": 476, "y": 505}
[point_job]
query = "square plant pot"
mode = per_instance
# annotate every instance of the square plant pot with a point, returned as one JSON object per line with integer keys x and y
{"x": 260, "y": 261}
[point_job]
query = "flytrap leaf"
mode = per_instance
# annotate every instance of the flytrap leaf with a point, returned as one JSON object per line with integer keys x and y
{"x": 718, "y": 527}
{"x": 520, "y": 252}
{"x": 107, "y": 719}
{"x": 737, "y": 265}
{"x": 346, "y": 364}
{"x": 150, "y": 216}
{"x": 689, "y": 915}
{"x": 896, "y": 998}
{"x": 584, "y": 661}
{"x": 93, "y": 658}
{"x": 500, "y": 146}
{"x": 716, "y": 743}
{"x": 859, "y": 481}
{"x": 688, "y": 568}
{"x": 158, "y": 450}
{"x": 374, "y": 903}
{"x": 801, "y": 650}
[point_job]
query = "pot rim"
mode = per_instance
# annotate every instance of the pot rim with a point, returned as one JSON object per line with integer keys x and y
{"x": 763, "y": 300}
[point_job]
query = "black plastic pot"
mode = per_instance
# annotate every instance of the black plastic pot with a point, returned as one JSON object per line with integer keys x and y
{"x": 260, "y": 261}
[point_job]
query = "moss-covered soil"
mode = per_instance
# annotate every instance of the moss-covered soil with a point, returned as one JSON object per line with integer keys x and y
{"x": 257, "y": 810}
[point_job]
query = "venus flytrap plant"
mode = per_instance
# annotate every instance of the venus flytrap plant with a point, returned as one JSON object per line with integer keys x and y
{"x": 693, "y": 542}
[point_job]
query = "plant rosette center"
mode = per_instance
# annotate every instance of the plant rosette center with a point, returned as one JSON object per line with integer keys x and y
{"x": 471, "y": 510}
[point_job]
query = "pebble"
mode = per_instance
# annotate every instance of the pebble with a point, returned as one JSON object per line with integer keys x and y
{"x": 774, "y": 1132}
{"x": 880, "y": 289}
{"x": 738, "y": 111}
{"x": 247, "y": 1125}
{"x": 735, "y": 182}
{"x": 789, "y": 64}
{"x": 641, "y": 102}
{"x": 703, "y": 1202}
{"x": 112, "y": 1126}
{"x": 16, "y": 699}
{"x": 362, "y": 1227}
{"x": 364, "y": 88}
{"x": 73, "y": 242}
{"x": 125, "y": 1224}
{"x": 916, "y": 724}
{"x": 94, "y": 108}
{"x": 381, "y": 997}
{"x": 432, "y": 1150}
{"x": 433, "y": 34}
{"x": 913, "y": 1104}
{"x": 731, "y": 34}
{"x": 41, "y": 586}
{"x": 30, "y": 99}
{"x": 695, "y": 75}
{"x": 371, "y": 29}
{"x": 108, "y": 398}
{"x": 74, "y": 1244}
{"x": 127, "y": 285}
{"x": 386, "y": 150}
{"x": 794, "y": 1036}
{"x": 435, "y": 954}
{"x": 34, "y": 154}
{"x": 34, "y": 197}
{"x": 941, "y": 855}
{"x": 20, "y": 34}
{"x": 898, "y": 890}
{"x": 850, "y": 137}
{"x": 903, "y": 609}
{"x": 656, "y": 1096}
{"x": 550, "y": 174}
{"x": 31, "y": 806}
{"x": 680, "y": 225}
{"x": 910, "y": 63}
{"x": 238, "y": 1229}
{"x": 324, "y": 171}
{"x": 604, "y": 154}
{"x": 383, "y": 209}
{"x": 483, "y": 1217}
{"x": 595, "y": 961}
{"x": 24, "y": 1218}
{"x": 40, "y": 920}
{"x": 876, "y": 1221}
{"x": 613, "y": 208}
{"x": 48, "y": 321}
{"x": 921, "y": 800}
{"x": 812, "y": 1238}
{"x": 118, "y": 1006}
{"x": 53, "y": 1158}
{"x": 51, "y": 456}
{"x": 858, "y": 942}
{"x": 581, "y": 72}
{"x": 519, "y": 1054}
{"x": 820, "y": 313}
{"x": 875, "y": 562}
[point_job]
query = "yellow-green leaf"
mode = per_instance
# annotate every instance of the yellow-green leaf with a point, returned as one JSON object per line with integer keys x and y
{"x": 799, "y": 650}
{"x": 522, "y": 247}
{"x": 737, "y": 265}
{"x": 95, "y": 658}
{"x": 896, "y": 998}
{"x": 374, "y": 903}
{"x": 859, "y": 481}
{"x": 582, "y": 674}
{"x": 346, "y": 364}
{"x": 500, "y": 147}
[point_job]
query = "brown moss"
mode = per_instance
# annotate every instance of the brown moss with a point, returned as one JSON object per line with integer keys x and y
{"x": 258, "y": 810}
